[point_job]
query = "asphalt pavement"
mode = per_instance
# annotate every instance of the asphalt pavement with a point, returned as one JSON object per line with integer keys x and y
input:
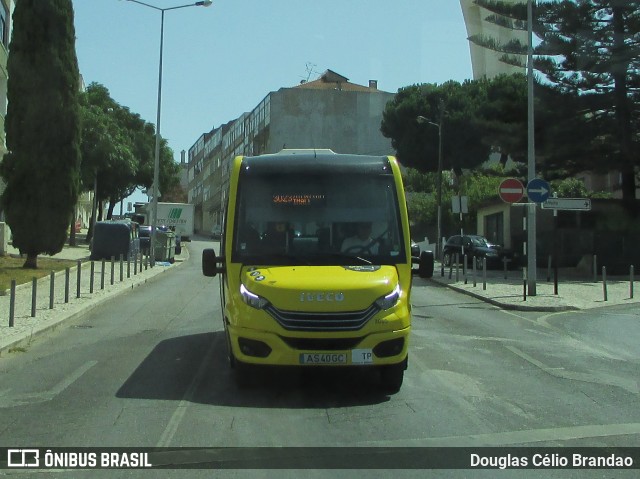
{"x": 573, "y": 293}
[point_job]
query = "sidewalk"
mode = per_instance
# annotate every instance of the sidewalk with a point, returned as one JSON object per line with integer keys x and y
{"x": 575, "y": 292}
{"x": 26, "y": 327}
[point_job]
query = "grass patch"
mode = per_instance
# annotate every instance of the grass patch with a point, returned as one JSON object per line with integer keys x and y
{"x": 11, "y": 268}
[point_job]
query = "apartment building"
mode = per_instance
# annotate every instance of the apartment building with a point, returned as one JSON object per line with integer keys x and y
{"x": 486, "y": 63}
{"x": 6, "y": 9}
{"x": 329, "y": 112}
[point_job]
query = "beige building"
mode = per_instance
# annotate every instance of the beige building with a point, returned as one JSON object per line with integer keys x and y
{"x": 330, "y": 112}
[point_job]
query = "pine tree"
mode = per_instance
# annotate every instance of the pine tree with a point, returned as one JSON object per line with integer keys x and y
{"x": 41, "y": 168}
{"x": 591, "y": 49}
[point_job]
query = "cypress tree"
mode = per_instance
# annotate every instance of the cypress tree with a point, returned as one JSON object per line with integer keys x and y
{"x": 41, "y": 168}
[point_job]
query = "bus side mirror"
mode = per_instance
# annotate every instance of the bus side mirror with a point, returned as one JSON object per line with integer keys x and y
{"x": 425, "y": 264}
{"x": 210, "y": 263}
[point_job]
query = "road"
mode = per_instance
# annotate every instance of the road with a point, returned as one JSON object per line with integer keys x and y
{"x": 149, "y": 369}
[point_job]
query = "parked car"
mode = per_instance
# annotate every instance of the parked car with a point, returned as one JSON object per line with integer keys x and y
{"x": 216, "y": 232}
{"x": 476, "y": 247}
{"x": 415, "y": 249}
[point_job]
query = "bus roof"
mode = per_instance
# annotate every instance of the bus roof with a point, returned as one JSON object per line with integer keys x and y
{"x": 316, "y": 161}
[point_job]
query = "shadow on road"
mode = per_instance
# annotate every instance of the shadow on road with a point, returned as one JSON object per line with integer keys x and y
{"x": 177, "y": 370}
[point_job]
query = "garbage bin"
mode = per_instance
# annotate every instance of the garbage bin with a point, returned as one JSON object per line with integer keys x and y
{"x": 164, "y": 246}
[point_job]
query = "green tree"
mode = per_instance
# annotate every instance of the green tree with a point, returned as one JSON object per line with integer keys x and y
{"x": 481, "y": 116}
{"x": 590, "y": 49}
{"x": 41, "y": 168}
{"x": 417, "y": 144}
{"x": 118, "y": 151}
{"x": 504, "y": 114}
{"x": 569, "y": 188}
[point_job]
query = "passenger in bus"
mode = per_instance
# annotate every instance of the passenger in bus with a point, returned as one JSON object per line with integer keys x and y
{"x": 361, "y": 242}
{"x": 277, "y": 238}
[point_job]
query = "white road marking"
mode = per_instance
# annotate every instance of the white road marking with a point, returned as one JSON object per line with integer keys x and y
{"x": 33, "y": 398}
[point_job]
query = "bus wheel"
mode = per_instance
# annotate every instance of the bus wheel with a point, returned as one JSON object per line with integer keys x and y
{"x": 244, "y": 373}
{"x": 391, "y": 377}
{"x": 231, "y": 357}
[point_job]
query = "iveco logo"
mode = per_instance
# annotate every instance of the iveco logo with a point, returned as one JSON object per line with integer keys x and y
{"x": 309, "y": 297}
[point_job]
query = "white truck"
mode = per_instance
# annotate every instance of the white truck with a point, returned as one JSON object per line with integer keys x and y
{"x": 177, "y": 215}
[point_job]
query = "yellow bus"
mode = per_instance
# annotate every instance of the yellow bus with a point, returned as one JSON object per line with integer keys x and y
{"x": 315, "y": 264}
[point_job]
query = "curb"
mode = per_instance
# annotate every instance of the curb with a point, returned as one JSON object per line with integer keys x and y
{"x": 506, "y": 306}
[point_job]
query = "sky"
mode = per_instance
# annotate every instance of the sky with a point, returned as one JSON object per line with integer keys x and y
{"x": 221, "y": 61}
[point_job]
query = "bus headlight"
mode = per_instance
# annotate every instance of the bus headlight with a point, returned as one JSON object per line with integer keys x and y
{"x": 389, "y": 301}
{"x": 253, "y": 300}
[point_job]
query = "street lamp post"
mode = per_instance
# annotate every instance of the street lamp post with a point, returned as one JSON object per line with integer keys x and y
{"x": 531, "y": 158}
{"x": 422, "y": 119}
{"x": 156, "y": 165}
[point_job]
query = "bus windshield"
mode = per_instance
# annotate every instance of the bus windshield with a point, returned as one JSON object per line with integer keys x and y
{"x": 318, "y": 219}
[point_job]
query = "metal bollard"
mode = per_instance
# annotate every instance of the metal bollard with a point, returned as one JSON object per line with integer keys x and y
{"x": 34, "y": 294}
{"x": 631, "y": 275}
{"x": 457, "y": 268}
{"x": 112, "y": 269}
{"x": 78, "y": 279}
{"x": 524, "y": 284}
{"x": 141, "y": 262}
{"x": 91, "y": 279}
{"x": 128, "y": 267}
{"x": 121, "y": 268}
{"x": 464, "y": 269}
{"x": 12, "y": 303}
{"x": 604, "y": 283}
{"x": 52, "y": 281}
{"x": 474, "y": 272}
{"x": 484, "y": 274}
{"x": 135, "y": 264}
{"x": 102, "y": 276}
{"x": 67, "y": 271}
{"x": 450, "y": 266}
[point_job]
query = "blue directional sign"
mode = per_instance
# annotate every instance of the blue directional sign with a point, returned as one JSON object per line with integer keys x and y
{"x": 538, "y": 190}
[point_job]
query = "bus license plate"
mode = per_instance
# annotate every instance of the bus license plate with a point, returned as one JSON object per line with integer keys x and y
{"x": 323, "y": 358}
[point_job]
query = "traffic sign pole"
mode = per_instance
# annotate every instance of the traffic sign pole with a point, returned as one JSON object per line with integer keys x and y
{"x": 537, "y": 192}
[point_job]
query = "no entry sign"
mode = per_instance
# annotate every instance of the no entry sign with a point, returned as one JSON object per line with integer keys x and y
{"x": 511, "y": 190}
